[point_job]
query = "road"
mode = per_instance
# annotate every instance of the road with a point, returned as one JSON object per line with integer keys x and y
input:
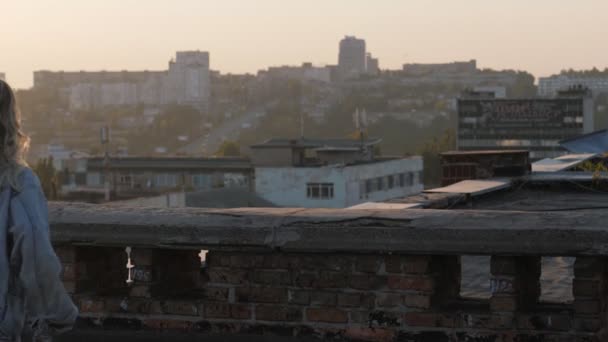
{"x": 228, "y": 130}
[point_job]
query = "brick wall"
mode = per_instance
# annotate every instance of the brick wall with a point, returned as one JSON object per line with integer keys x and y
{"x": 327, "y": 296}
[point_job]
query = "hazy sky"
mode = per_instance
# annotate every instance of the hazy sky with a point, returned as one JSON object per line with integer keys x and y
{"x": 541, "y": 36}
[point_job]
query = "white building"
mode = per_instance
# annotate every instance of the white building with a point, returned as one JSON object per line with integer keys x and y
{"x": 550, "y": 86}
{"x": 186, "y": 82}
{"x": 342, "y": 173}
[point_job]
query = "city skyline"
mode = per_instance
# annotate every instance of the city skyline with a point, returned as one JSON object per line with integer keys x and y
{"x": 542, "y": 38}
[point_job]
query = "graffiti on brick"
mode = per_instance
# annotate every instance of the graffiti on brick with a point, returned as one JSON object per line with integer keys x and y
{"x": 498, "y": 286}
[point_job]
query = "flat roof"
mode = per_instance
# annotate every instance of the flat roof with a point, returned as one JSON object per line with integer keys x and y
{"x": 474, "y": 187}
{"x": 240, "y": 164}
{"x": 315, "y": 143}
{"x": 477, "y": 152}
{"x": 562, "y": 163}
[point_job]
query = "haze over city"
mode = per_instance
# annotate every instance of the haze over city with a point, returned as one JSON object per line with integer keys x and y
{"x": 245, "y": 36}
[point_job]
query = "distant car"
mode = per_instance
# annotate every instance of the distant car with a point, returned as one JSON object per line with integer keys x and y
{"x": 246, "y": 125}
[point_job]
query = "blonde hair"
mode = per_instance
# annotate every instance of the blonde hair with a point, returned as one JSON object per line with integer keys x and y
{"x": 13, "y": 142}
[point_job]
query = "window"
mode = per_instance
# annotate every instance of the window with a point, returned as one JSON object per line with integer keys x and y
{"x": 320, "y": 190}
{"x": 379, "y": 183}
{"x": 124, "y": 179}
{"x": 201, "y": 180}
{"x": 401, "y": 180}
{"x": 391, "y": 181}
{"x": 165, "y": 180}
{"x": 369, "y": 186}
{"x": 410, "y": 179}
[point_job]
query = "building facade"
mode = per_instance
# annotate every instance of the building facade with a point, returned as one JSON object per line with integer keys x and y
{"x": 140, "y": 176}
{"x": 352, "y": 57}
{"x": 339, "y": 186}
{"x": 551, "y": 86}
{"x": 331, "y": 173}
{"x": 537, "y": 125}
{"x": 304, "y": 73}
{"x": 420, "y": 69}
{"x": 372, "y": 65}
{"x": 186, "y": 82}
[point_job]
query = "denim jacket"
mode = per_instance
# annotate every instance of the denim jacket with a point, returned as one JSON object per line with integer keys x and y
{"x": 33, "y": 300}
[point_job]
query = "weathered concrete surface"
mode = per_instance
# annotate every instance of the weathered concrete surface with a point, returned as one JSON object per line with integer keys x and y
{"x": 413, "y": 231}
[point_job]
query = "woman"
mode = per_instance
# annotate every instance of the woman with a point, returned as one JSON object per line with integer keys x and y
{"x": 33, "y": 302}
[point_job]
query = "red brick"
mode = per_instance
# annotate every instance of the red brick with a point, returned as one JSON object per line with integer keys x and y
{"x": 218, "y": 259}
{"x": 70, "y": 286}
{"x": 367, "y": 282}
{"x": 304, "y": 279}
{"x": 589, "y": 267}
{"x": 416, "y": 264}
{"x": 502, "y": 265}
{"x": 417, "y": 301}
{"x": 245, "y": 260}
{"x": 137, "y": 305}
{"x": 388, "y": 300}
{"x": 502, "y": 320}
{"x": 240, "y": 311}
{"x": 168, "y": 324}
{"x": 68, "y": 272}
{"x": 392, "y": 264}
{"x": 370, "y": 334}
{"x": 143, "y": 257}
{"x": 114, "y": 304}
{"x": 368, "y": 263}
{"x": 228, "y": 276}
{"x": 175, "y": 307}
{"x": 410, "y": 283}
{"x": 586, "y": 306}
{"x": 586, "y": 288}
{"x": 278, "y": 313}
{"x": 261, "y": 295}
{"x": 217, "y": 310}
{"x": 423, "y": 319}
{"x": 66, "y": 254}
{"x": 359, "y": 317}
{"x": 321, "y": 298}
{"x": 140, "y": 291}
{"x": 349, "y": 299}
{"x": 328, "y": 279}
{"x": 216, "y": 293}
{"x": 326, "y": 315}
{"x": 271, "y": 277}
{"x": 503, "y": 303}
{"x": 91, "y": 305}
{"x": 587, "y": 324}
{"x": 473, "y": 321}
{"x": 299, "y": 297}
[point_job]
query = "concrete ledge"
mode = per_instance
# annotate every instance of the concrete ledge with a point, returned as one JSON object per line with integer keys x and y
{"x": 414, "y": 231}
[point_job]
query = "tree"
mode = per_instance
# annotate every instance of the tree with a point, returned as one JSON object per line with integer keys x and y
{"x": 49, "y": 179}
{"x": 228, "y": 149}
{"x": 430, "y": 154}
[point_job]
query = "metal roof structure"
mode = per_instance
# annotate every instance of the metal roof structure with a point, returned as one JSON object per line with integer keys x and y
{"x": 474, "y": 187}
{"x": 595, "y": 142}
{"x": 384, "y": 206}
{"x": 562, "y": 163}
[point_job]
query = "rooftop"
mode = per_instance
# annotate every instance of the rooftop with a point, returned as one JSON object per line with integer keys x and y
{"x": 316, "y": 143}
